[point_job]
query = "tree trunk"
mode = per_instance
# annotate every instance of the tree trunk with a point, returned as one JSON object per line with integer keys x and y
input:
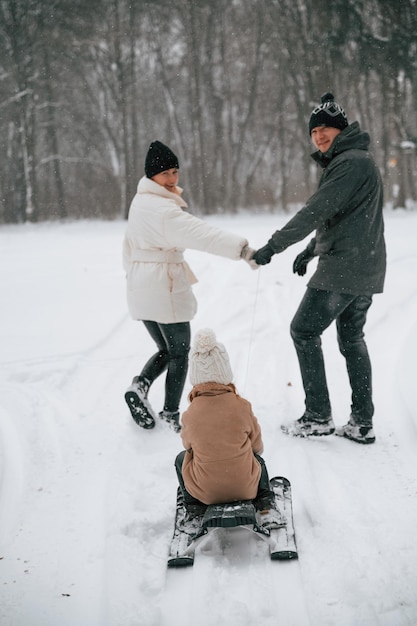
{"x": 52, "y": 137}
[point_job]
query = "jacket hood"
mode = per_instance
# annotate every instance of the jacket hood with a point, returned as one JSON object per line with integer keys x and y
{"x": 146, "y": 185}
{"x": 350, "y": 138}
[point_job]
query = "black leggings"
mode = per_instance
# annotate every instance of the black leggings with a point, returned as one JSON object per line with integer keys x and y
{"x": 173, "y": 341}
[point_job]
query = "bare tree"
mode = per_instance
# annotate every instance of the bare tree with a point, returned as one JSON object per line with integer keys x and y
{"x": 18, "y": 20}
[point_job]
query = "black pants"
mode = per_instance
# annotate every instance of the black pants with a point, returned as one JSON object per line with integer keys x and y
{"x": 263, "y": 486}
{"x": 173, "y": 342}
{"x": 317, "y": 310}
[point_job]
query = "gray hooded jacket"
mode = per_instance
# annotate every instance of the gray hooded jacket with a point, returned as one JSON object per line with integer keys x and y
{"x": 346, "y": 212}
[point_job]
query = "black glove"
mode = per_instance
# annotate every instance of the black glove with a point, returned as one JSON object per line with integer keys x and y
{"x": 263, "y": 255}
{"x": 301, "y": 261}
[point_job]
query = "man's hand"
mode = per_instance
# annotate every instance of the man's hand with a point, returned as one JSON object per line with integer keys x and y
{"x": 301, "y": 261}
{"x": 263, "y": 255}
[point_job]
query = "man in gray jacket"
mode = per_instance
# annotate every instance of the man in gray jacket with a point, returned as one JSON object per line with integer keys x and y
{"x": 346, "y": 214}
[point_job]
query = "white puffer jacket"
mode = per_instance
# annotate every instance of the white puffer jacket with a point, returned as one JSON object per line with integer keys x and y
{"x": 158, "y": 230}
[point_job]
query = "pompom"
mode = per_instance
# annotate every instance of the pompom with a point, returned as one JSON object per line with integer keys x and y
{"x": 327, "y": 97}
{"x": 204, "y": 341}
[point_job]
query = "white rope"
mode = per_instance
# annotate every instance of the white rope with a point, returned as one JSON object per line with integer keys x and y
{"x": 252, "y": 329}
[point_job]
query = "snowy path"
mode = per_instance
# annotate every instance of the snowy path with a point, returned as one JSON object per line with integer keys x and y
{"x": 87, "y": 499}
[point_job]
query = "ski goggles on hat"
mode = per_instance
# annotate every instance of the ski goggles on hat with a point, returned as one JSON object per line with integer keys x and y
{"x": 331, "y": 108}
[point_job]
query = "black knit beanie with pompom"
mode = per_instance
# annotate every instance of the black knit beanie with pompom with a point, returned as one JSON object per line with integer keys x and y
{"x": 328, "y": 113}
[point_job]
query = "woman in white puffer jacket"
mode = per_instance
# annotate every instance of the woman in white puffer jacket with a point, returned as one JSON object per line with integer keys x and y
{"x": 159, "y": 281}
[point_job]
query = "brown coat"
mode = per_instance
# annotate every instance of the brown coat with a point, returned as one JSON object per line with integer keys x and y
{"x": 220, "y": 434}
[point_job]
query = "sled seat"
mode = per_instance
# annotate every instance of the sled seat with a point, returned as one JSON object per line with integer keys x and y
{"x": 229, "y": 515}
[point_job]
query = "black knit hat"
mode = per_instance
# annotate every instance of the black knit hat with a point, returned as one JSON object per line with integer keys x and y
{"x": 328, "y": 113}
{"x": 159, "y": 159}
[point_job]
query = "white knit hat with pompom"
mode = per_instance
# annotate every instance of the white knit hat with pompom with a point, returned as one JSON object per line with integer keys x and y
{"x": 209, "y": 361}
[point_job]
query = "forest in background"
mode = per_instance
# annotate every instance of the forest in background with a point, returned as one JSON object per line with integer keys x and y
{"x": 229, "y": 85}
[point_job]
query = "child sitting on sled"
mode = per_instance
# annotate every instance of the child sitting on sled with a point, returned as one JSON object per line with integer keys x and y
{"x": 221, "y": 436}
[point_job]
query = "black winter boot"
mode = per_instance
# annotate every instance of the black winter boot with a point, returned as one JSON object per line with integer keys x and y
{"x": 136, "y": 397}
{"x": 172, "y": 418}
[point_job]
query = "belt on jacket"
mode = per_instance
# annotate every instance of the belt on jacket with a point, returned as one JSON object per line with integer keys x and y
{"x": 157, "y": 256}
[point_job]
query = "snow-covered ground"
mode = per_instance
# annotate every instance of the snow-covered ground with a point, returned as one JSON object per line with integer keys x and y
{"x": 87, "y": 498}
